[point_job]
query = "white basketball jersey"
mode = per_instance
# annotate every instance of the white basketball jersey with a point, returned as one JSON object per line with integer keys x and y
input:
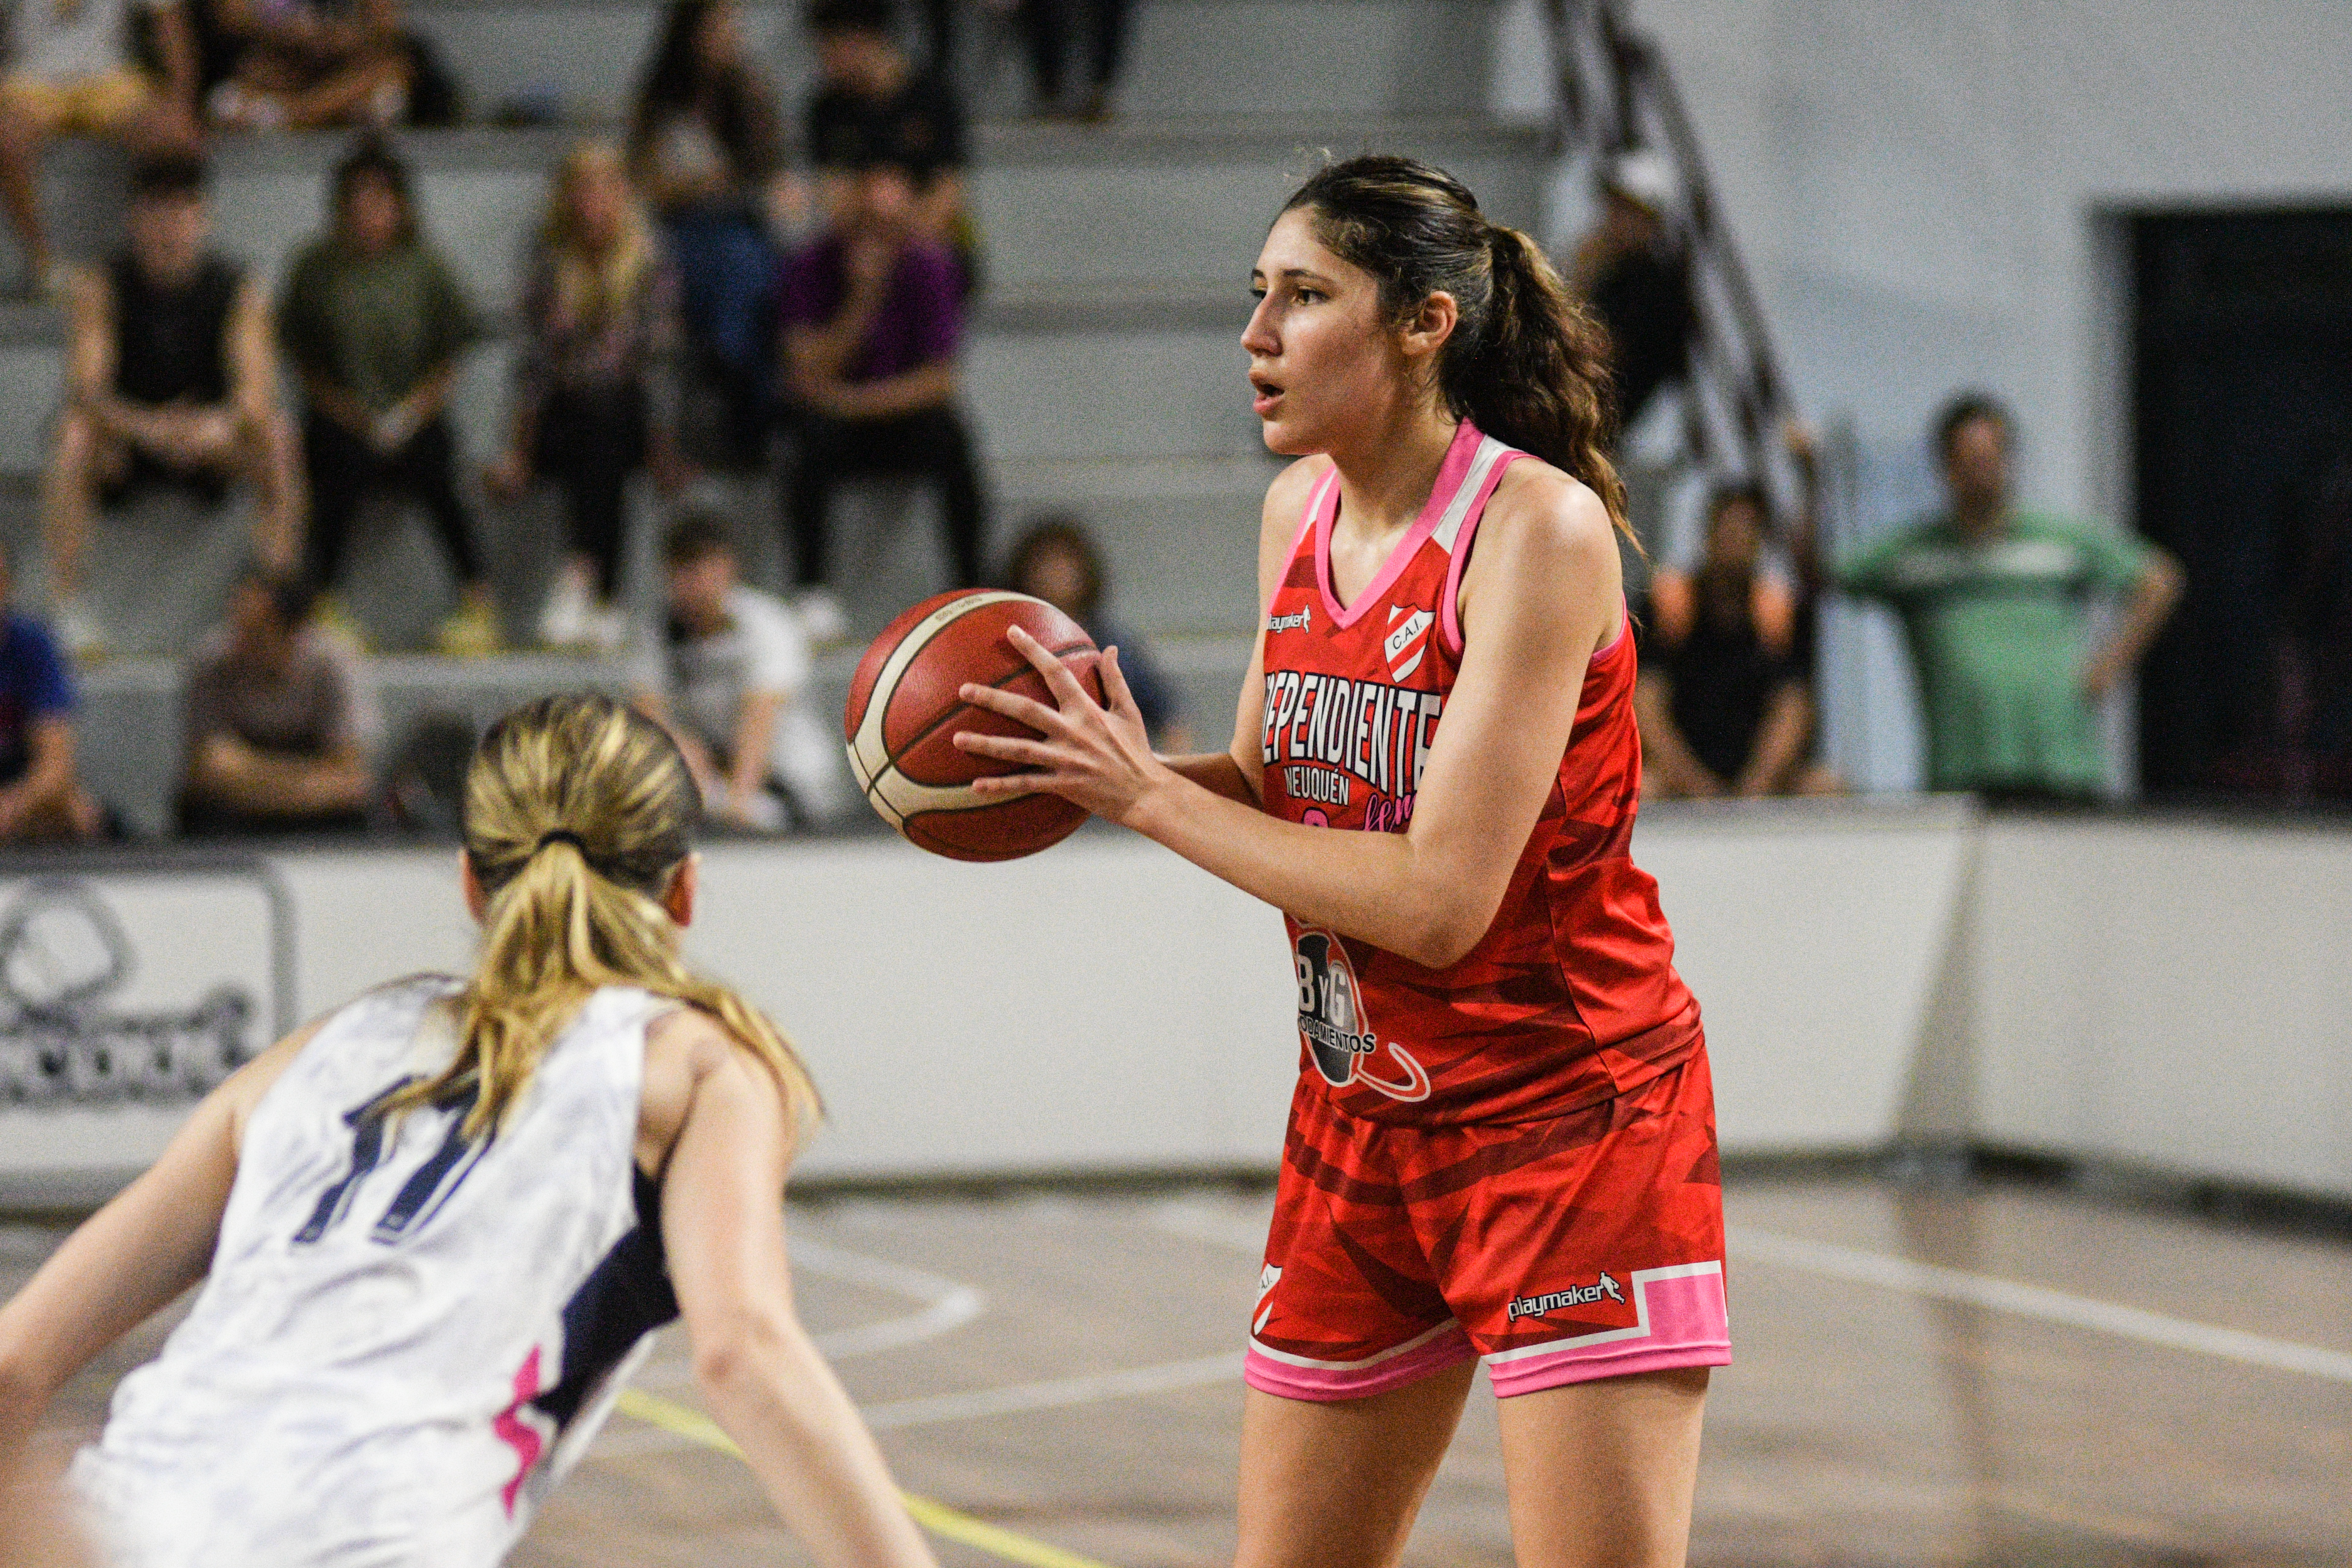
{"x": 405, "y": 1339}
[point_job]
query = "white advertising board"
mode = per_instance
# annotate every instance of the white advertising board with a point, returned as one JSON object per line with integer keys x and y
{"x": 127, "y": 992}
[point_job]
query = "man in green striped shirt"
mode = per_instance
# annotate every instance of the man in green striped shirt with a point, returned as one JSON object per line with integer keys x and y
{"x": 1995, "y": 606}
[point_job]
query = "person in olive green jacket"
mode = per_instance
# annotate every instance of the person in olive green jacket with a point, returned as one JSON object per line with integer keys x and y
{"x": 1994, "y": 602}
{"x": 373, "y": 321}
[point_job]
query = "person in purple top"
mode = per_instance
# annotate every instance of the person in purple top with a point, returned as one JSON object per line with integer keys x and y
{"x": 40, "y": 797}
{"x": 872, "y": 316}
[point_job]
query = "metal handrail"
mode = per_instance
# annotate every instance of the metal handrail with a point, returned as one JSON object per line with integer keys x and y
{"x": 1616, "y": 94}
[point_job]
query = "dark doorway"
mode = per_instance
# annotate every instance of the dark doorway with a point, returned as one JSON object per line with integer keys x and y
{"x": 2242, "y": 404}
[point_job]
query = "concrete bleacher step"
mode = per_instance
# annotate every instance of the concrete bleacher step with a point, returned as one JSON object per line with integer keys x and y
{"x": 1116, "y": 260}
{"x": 1104, "y": 375}
{"x": 133, "y": 725}
{"x": 1179, "y": 536}
{"x": 133, "y": 733}
{"x": 1175, "y": 201}
{"x": 1185, "y": 57}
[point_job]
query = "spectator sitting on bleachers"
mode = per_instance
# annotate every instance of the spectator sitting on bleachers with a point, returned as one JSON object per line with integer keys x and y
{"x": 72, "y": 71}
{"x": 1992, "y": 601}
{"x": 873, "y": 321}
{"x": 298, "y": 64}
{"x": 706, "y": 149}
{"x": 171, "y": 381}
{"x": 373, "y": 322}
{"x": 40, "y": 797}
{"x": 728, "y": 676}
{"x": 272, "y": 725}
{"x": 871, "y": 102}
{"x": 596, "y": 395}
{"x": 1723, "y": 702}
{"x": 1056, "y": 560}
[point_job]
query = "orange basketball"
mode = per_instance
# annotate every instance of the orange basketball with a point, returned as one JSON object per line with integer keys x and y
{"x": 904, "y": 714}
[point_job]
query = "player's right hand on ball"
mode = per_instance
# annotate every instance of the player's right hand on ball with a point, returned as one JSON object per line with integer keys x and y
{"x": 1093, "y": 755}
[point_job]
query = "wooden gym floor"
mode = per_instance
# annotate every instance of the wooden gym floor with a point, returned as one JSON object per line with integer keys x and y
{"x": 1989, "y": 1376}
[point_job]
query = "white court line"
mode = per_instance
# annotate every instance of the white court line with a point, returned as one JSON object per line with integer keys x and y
{"x": 949, "y": 1305}
{"x": 2037, "y": 1301}
{"x": 937, "y": 1409}
{"x": 1059, "y": 1394}
{"x": 1214, "y": 1224}
{"x": 1222, "y": 1227}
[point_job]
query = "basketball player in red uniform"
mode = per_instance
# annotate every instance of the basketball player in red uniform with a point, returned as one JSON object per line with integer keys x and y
{"x": 1501, "y": 1143}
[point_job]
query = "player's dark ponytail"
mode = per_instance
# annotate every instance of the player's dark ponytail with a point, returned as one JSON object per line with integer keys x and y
{"x": 1526, "y": 364}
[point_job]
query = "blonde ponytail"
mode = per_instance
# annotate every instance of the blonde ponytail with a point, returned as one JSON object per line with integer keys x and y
{"x": 578, "y": 816}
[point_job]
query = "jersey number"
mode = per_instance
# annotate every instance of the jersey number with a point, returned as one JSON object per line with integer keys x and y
{"x": 421, "y": 1195}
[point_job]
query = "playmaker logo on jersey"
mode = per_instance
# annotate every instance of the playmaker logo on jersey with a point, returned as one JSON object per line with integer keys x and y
{"x": 1339, "y": 1039}
{"x": 1298, "y": 623}
{"x": 1574, "y": 1296}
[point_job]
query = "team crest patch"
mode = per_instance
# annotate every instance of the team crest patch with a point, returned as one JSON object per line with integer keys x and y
{"x": 1408, "y": 640}
{"x": 1340, "y": 1038}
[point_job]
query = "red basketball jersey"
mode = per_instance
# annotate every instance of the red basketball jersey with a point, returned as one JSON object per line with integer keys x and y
{"x": 1571, "y": 995}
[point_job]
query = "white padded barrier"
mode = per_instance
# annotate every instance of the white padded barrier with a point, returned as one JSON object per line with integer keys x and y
{"x": 2170, "y": 995}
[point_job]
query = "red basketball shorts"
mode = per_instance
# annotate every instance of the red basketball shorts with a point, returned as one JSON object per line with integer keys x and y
{"x": 1587, "y": 1246}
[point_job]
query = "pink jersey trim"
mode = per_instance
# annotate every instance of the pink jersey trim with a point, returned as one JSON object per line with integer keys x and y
{"x": 518, "y": 1434}
{"x": 1685, "y": 1321}
{"x": 1624, "y": 624}
{"x": 1327, "y": 1383}
{"x": 1326, "y": 508}
{"x": 1314, "y": 507}
{"x": 1449, "y": 602}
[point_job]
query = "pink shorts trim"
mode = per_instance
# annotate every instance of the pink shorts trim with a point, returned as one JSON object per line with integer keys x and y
{"x": 1683, "y": 1320}
{"x": 1296, "y": 1377}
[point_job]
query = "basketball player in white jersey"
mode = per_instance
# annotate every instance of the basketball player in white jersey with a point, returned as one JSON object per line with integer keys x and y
{"x": 441, "y": 1222}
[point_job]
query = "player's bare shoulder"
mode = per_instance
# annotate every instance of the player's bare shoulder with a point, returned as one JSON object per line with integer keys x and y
{"x": 1286, "y": 498}
{"x": 684, "y": 1046}
{"x": 1545, "y": 533}
{"x": 1279, "y": 521}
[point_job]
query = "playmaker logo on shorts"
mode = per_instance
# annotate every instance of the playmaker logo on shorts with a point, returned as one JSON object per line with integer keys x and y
{"x": 1574, "y": 1296}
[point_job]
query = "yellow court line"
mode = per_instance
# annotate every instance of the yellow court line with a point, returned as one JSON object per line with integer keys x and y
{"x": 683, "y": 1421}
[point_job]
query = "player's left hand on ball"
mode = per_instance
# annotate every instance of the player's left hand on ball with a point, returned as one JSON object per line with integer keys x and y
{"x": 1094, "y": 755}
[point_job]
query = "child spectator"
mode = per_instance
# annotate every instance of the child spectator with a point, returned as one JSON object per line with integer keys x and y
{"x": 726, "y": 676}
{"x": 1056, "y": 560}
{"x": 71, "y": 72}
{"x": 40, "y": 797}
{"x": 171, "y": 381}
{"x": 1723, "y": 701}
{"x": 272, "y": 730}
{"x": 373, "y": 322}
{"x": 873, "y": 329}
{"x": 706, "y": 146}
{"x": 1993, "y": 604}
{"x": 872, "y": 103}
{"x": 595, "y": 394}
{"x": 299, "y": 65}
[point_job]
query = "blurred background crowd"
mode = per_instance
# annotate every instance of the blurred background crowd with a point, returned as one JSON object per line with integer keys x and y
{"x": 733, "y": 357}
